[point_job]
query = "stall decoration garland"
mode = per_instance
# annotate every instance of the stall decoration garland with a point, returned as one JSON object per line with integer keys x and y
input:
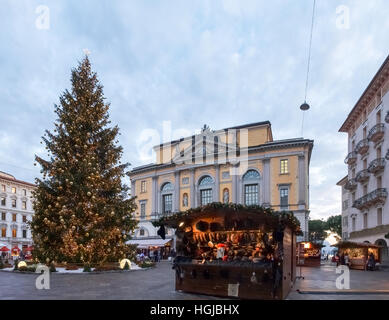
{"x": 284, "y": 217}
{"x": 351, "y": 245}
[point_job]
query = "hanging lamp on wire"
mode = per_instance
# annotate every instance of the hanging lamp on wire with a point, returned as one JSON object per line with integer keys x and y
{"x": 305, "y": 106}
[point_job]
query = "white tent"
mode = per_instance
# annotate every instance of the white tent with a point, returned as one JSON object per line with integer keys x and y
{"x": 146, "y": 243}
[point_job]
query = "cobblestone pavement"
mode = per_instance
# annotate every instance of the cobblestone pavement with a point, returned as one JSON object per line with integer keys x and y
{"x": 324, "y": 278}
{"x": 152, "y": 284}
{"x": 158, "y": 283}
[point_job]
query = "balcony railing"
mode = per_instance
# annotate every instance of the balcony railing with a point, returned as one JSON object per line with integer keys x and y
{"x": 362, "y": 146}
{"x": 377, "y": 165}
{"x": 351, "y": 184}
{"x": 377, "y": 132}
{"x": 387, "y": 117}
{"x": 362, "y": 176}
{"x": 351, "y": 158}
{"x": 377, "y": 197}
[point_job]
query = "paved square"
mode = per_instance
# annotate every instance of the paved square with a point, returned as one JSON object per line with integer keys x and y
{"x": 158, "y": 283}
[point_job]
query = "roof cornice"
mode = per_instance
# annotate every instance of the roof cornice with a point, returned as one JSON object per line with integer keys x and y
{"x": 281, "y": 144}
{"x": 379, "y": 79}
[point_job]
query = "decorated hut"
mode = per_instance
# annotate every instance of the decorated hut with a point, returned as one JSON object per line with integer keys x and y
{"x": 233, "y": 250}
{"x": 308, "y": 254}
{"x": 359, "y": 253}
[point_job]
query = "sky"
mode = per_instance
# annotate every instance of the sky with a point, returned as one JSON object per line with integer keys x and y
{"x": 216, "y": 62}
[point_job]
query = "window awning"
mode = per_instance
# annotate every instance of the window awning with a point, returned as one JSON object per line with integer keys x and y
{"x": 146, "y": 243}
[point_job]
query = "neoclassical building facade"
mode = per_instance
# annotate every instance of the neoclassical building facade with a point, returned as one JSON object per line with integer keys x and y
{"x": 240, "y": 164}
{"x": 16, "y": 211}
{"x": 365, "y": 211}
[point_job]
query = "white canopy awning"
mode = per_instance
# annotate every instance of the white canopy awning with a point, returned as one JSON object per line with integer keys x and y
{"x": 146, "y": 243}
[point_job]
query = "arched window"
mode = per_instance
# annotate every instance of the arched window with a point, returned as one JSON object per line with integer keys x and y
{"x": 167, "y": 197}
{"x": 168, "y": 186}
{"x": 251, "y": 187}
{"x": 205, "y": 185}
{"x": 205, "y": 181}
{"x": 251, "y": 175}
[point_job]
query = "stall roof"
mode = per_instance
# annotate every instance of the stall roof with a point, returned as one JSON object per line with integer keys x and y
{"x": 146, "y": 243}
{"x": 351, "y": 244}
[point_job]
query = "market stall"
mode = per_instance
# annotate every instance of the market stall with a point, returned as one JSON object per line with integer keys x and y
{"x": 359, "y": 253}
{"x": 153, "y": 245}
{"x": 308, "y": 254}
{"x": 234, "y": 251}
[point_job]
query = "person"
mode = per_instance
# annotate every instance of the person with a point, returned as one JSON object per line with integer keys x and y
{"x": 151, "y": 255}
{"x": 342, "y": 262}
{"x": 347, "y": 260}
{"x": 371, "y": 262}
{"x": 155, "y": 255}
{"x": 141, "y": 256}
{"x": 337, "y": 259}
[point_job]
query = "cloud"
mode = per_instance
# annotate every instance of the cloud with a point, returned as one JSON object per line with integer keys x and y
{"x": 222, "y": 63}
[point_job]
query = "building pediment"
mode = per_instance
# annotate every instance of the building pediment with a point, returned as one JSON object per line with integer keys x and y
{"x": 205, "y": 146}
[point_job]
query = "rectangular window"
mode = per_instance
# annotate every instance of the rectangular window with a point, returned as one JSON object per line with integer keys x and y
{"x": 379, "y": 216}
{"x": 14, "y": 217}
{"x": 364, "y": 133}
{"x": 185, "y": 180}
{"x": 13, "y": 203}
{"x": 205, "y": 196}
{"x": 3, "y": 216}
{"x": 13, "y": 233}
{"x": 365, "y": 164}
{"x": 251, "y": 194}
{"x": 24, "y": 219}
{"x": 143, "y": 186}
{"x": 13, "y": 190}
{"x": 24, "y": 234}
{"x": 3, "y": 232}
{"x": 345, "y": 204}
{"x": 143, "y": 210}
{"x": 284, "y": 166}
{"x": 353, "y": 197}
{"x": 141, "y": 232}
{"x": 353, "y": 224}
{"x": 25, "y": 192}
{"x": 167, "y": 203}
{"x": 379, "y": 182}
{"x": 3, "y": 187}
{"x": 284, "y": 198}
{"x": 3, "y": 203}
{"x": 365, "y": 190}
{"x": 379, "y": 153}
{"x": 365, "y": 221}
{"x": 378, "y": 116}
{"x": 24, "y": 205}
{"x": 345, "y": 221}
{"x": 225, "y": 175}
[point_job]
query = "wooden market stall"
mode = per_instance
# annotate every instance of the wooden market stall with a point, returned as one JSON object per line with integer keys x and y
{"x": 236, "y": 251}
{"x": 308, "y": 254}
{"x": 359, "y": 253}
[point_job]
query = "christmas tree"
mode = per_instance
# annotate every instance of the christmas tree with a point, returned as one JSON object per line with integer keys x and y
{"x": 82, "y": 208}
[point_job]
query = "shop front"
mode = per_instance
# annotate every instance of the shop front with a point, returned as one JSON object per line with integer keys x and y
{"x": 308, "y": 254}
{"x": 153, "y": 247}
{"x": 234, "y": 251}
{"x": 359, "y": 253}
